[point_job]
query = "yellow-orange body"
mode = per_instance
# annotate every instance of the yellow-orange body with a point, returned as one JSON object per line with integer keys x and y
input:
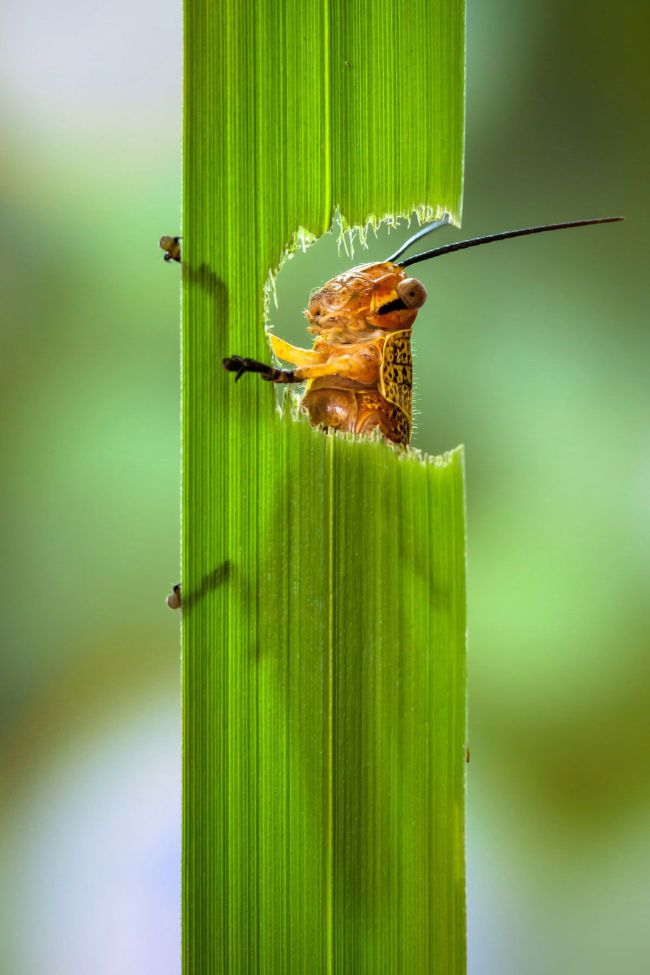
{"x": 359, "y": 372}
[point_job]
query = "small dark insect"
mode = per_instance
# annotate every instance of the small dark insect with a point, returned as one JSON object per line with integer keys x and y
{"x": 174, "y": 598}
{"x": 172, "y": 248}
{"x": 359, "y": 372}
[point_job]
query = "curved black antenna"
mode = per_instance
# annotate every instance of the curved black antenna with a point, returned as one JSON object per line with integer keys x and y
{"x": 422, "y": 232}
{"x": 462, "y": 245}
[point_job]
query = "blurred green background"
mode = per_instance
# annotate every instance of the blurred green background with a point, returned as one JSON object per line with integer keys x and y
{"x": 532, "y": 353}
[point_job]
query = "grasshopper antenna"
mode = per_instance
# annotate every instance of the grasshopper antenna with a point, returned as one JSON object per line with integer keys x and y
{"x": 422, "y": 232}
{"x": 462, "y": 245}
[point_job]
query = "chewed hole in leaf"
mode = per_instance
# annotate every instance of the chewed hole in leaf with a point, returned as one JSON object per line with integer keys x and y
{"x": 303, "y": 273}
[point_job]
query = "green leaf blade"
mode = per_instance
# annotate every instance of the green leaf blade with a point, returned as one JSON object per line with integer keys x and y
{"x": 323, "y": 579}
{"x": 397, "y": 87}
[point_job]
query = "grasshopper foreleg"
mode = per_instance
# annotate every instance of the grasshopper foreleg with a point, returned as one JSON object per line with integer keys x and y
{"x": 239, "y": 365}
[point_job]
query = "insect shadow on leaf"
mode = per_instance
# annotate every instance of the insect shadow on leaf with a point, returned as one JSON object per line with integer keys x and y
{"x": 208, "y": 583}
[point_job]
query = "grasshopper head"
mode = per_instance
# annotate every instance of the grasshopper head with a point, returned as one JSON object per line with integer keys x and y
{"x": 363, "y": 300}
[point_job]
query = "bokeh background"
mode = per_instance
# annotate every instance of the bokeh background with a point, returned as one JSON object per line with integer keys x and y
{"x": 534, "y": 354}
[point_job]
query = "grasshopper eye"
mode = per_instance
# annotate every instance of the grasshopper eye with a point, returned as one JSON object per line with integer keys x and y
{"x": 412, "y": 292}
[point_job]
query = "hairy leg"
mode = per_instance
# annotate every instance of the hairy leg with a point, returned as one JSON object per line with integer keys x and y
{"x": 240, "y": 365}
{"x": 363, "y": 367}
